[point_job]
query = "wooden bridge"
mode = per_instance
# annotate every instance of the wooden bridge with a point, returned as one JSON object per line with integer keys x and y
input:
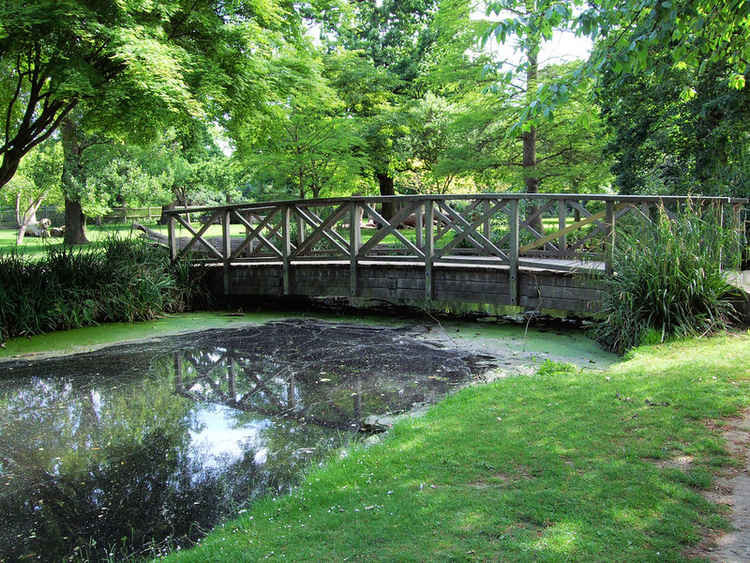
{"x": 535, "y": 251}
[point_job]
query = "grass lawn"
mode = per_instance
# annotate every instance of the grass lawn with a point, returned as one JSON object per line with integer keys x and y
{"x": 556, "y": 466}
{"x": 35, "y": 247}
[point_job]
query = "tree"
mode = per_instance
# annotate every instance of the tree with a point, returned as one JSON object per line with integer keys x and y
{"x": 697, "y": 33}
{"x": 176, "y": 168}
{"x": 166, "y": 61}
{"x": 532, "y": 22}
{"x": 497, "y": 142}
{"x": 302, "y": 142}
{"x": 37, "y": 179}
{"x": 73, "y": 178}
{"x": 683, "y": 133}
{"x": 568, "y": 149}
{"x": 391, "y": 38}
{"x": 432, "y": 134}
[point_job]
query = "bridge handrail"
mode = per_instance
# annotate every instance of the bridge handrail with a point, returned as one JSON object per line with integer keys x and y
{"x": 445, "y": 197}
{"x": 489, "y": 229}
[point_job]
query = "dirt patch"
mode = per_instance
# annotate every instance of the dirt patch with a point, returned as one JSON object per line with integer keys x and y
{"x": 732, "y": 490}
{"x": 500, "y": 479}
{"x": 495, "y": 480}
{"x": 682, "y": 462}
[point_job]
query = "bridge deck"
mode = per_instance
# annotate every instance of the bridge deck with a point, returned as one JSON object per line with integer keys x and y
{"x": 527, "y": 250}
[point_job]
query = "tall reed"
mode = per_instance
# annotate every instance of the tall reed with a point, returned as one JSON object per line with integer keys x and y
{"x": 668, "y": 279}
{"x": 125, "y": 280}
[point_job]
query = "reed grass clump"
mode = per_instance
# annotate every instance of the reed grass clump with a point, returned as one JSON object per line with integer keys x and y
{"x": 668, "y": 279}
{"x": 123, "y": 280}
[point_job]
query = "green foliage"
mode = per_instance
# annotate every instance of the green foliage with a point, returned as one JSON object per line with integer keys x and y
{"x": 484, "y": 147}
{"x": 680, "y": 133}
{"x": 138, "y": 64}
{"x": 394, "y": 34}
{"x": 630, "y": 38}
{"x": 431, "y": 134}
{"x": 388, "y": 42}
{"x": 668, "y": 279}
{"x": 184, "y": 166}
{"x": 126, "y": 280}
{"x": 550, "y": 367}
{"x": 302, "y": 143}
{"x": 38, "y": 176}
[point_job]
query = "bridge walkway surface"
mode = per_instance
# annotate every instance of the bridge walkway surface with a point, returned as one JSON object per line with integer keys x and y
{"x": 534, "y": 251}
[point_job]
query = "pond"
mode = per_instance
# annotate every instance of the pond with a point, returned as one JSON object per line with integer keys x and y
{"x": 140, "y": 448}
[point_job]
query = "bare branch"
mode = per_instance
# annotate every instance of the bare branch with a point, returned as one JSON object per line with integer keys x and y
{"x": 66, "y": 110}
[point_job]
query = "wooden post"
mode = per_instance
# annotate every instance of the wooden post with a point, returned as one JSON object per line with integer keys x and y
{"x": 513, "y": 255}
{"x": 739, "y": 227}
{"x": 419, "y": 227}
{"x": 172, "y": 238}
{"x": 249, "y": 218}
{"x": 286, "y": 246}
{"x": 721, "y": 231}
{"x": 610, "y": 238}
{"x": 226, "y": 236}
{"x": 300, "y": 230}
{"x": 487, "y": 227}
{"x": 428, "y": 248}
{"x": 355, "y": 242}
{"x": 562, "y": 217}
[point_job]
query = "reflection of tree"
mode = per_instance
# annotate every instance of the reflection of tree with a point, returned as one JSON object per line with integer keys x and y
{"x": 104, "y": 460}
{"x": 109, "y": 456}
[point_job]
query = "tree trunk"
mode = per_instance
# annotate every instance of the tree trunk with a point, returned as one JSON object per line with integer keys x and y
{"x": 29, "y": 218}
{"x": 385, "y": 181}
{"x": 530, "y": 176}
{"x": 75, "y": 223}
{"x": 72, "y": 180}
{"x": 19, "y": 219}
{"x": 9, "y": 166}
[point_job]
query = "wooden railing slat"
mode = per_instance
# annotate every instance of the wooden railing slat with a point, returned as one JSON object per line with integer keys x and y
{"x": 390, "y": 227}
{"x": 198, "y": 236}
{"x": 322, "y": 229}
{"x": 469, "y": 230}
{"x": 256, "y": 232}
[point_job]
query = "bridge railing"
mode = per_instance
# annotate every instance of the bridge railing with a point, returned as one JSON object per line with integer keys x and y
{"x": 509, "y": 230}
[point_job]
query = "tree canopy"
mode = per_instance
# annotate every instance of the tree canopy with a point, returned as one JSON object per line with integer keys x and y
{"x": 164, "y": 62}
{"x": 195, "y": 101}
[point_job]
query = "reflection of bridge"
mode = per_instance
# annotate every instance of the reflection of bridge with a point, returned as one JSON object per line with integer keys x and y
{"x": 529, "y": 250}
{"x": 271, "y": 382}
{"x": 216, "y": 380}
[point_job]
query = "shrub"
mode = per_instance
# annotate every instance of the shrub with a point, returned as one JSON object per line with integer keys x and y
{"x": 550, "y": 367}
{"x": 668, "y": 280}
{"x": 126, "y": 280}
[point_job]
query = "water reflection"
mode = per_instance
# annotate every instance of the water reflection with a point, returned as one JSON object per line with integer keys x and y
{"x": 152, "y": 444}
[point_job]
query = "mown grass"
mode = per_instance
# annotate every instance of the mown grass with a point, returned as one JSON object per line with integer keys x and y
{"x": 34, "y": 247}
{"x": 556, "y": 466}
